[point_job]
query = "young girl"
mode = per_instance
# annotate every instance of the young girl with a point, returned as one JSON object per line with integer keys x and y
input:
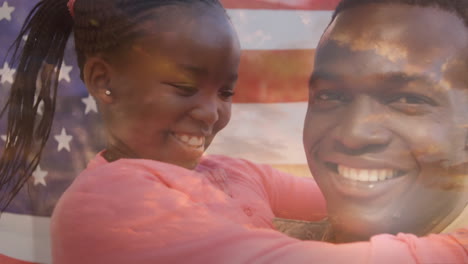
{"x": 163, "y": 73}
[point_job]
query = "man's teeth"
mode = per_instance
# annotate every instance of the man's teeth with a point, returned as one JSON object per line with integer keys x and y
{"x": 192, "y": 141}
{"x": 365, "y": 175}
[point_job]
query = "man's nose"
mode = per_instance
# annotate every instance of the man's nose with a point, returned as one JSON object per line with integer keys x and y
{"x": 206, "y": 111}
{"x": 363, "y": 128}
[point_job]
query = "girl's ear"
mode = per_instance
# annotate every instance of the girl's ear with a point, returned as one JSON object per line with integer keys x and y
{"x": 98, "y": 76}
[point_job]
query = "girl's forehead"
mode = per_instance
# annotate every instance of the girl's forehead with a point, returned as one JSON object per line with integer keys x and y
{"x": 174, "y": 17}
{"x": 184, "y": 23}
{"x": 175, "y": 31}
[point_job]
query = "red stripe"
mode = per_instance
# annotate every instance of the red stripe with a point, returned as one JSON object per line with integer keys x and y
{"x": 7, "y": 260}
{"x": 272, "y": 76}
{"x": 281, "y": 4}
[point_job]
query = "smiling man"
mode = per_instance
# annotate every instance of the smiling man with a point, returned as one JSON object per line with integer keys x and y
{"x": 387, "y": 125}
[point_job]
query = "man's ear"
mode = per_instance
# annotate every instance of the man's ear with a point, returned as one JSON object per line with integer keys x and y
{"x": 97, "y": 74}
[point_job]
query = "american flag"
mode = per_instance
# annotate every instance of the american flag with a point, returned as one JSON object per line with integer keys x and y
{"x": 278, "y": 38}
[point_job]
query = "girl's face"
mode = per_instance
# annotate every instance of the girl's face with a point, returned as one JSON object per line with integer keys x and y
{"x": 171, "y": 92}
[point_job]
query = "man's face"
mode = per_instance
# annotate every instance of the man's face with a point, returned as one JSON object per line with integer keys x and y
{"x": 386, "y": 128}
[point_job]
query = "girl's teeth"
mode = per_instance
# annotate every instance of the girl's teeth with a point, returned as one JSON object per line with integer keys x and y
{"x": 184, "y": 138}
{"x": 196, "y": 141}
{"x": 192, "y": 141}
{"x": 365, "y": 175}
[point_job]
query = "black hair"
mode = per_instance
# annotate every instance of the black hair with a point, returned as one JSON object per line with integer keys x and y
{"x": 99, "y": 26}
{"x": 457, "y": 7}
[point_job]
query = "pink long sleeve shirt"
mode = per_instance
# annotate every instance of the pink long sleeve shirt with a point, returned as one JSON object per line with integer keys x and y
{"x": 142, "y": 212}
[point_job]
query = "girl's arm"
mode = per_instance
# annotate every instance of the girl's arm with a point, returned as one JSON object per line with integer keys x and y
{"x": 152, "y": 223}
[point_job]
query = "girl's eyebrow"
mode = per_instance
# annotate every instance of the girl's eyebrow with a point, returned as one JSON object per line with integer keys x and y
{"x": 193, "y": 69}
{"x": 234, "y": 77}
{"x": 200, "y": 71}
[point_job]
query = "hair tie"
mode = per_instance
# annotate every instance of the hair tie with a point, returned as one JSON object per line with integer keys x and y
{"x": 71, "y": 7}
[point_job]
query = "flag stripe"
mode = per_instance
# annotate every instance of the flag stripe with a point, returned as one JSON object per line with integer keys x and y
{"x": 278, "y": 38}
{"x": 279, "y": 30}
{"x": 264, "y": 133}
{"x": 281, "y": 4}
{"x": 25, "y": 237}
{"x": 271, "y": 76}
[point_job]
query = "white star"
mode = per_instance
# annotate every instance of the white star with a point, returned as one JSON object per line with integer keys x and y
{"x": 40, "y": 108}
{"x": 6, "y": 74}
{"x": 5, "y": 11}
{"x": 25, "y": 37}
{"x": 63, "y": 140}
{"x": 39, "y": 176}
{"x": 90, "y": 104}
{"x": 65, "y": 72}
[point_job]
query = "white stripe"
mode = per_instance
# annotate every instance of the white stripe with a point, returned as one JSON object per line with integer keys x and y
{"x": 264, "y": 133}
{"x": 25, "y": 237}
{"x": 279, "y": 29}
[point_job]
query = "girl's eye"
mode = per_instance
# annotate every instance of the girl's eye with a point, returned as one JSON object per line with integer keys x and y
{"x": 185, "y": 90}
{"x": 226, "y": 94}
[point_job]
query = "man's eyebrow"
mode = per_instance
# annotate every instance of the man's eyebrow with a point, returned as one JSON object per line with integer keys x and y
{"x": 400, "y": 78}
{"x": 322, "y": 75}
{"x": 404, "y": 78}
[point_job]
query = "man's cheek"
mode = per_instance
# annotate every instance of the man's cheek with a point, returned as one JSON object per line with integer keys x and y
{"x": 312, "y": 135}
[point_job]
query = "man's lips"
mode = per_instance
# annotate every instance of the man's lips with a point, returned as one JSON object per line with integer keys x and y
{"x": 367, "y": 184}
{"x": 363, "y": 174}
{"x": 365, "y": 177}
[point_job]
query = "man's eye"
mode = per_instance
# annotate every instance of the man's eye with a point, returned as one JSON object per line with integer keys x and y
{"x": 329, "y": 96}
{"x": 327, "y": 100}
{"x": 411, "y": 99}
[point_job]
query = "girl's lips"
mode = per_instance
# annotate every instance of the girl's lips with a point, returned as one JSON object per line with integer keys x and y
{"x": 189, "y": 145}
{"x": 193, "y": 141}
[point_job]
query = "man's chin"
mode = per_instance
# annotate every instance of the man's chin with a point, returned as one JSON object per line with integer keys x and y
{"x": 357, "y": 231}
{"x": 353, "y": 229}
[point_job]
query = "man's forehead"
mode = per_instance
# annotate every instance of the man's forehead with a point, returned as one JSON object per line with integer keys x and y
{"x": 381, "y": 39}
{"x": 398, "y": 31}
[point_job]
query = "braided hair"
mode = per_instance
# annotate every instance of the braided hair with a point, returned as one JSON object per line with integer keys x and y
{"x": 99, "y": 26}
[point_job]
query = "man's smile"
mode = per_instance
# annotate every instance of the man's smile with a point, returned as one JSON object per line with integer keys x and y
{"x": 365, "y": 175}
{"x": 368, "y": 176}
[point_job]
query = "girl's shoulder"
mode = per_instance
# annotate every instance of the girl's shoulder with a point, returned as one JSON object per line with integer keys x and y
{"x": 230, "y": 163}
{"x": 125, "y": 172}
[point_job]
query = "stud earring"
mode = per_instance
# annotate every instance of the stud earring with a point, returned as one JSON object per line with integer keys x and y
{"x": 466, "y": 139}
{"x": 108, "y": 92}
